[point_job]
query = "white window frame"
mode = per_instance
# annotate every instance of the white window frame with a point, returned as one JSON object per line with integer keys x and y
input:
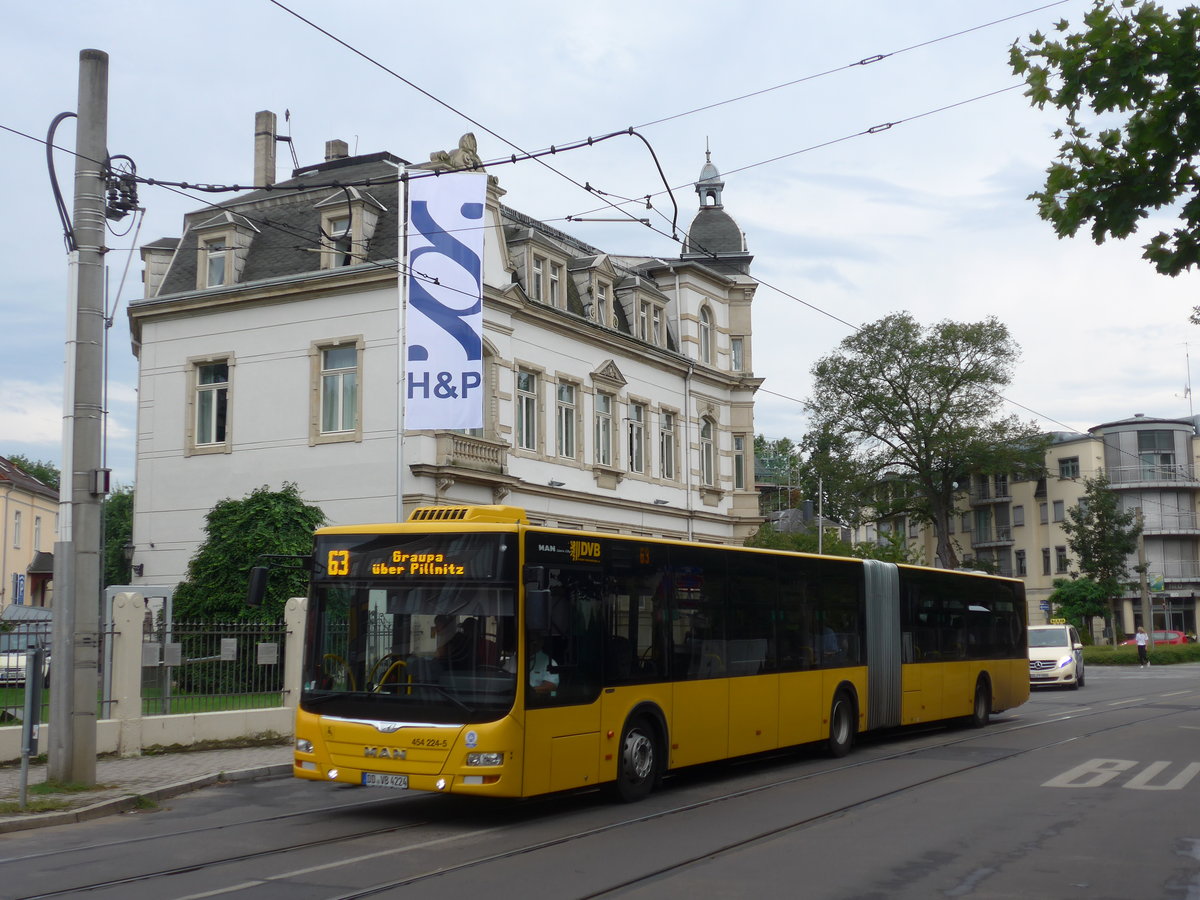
{"x": 737, "y": 353}
{"x": 537, "y": 284}
{"x": 636, "y": 433}
{"x": 604, "y": 303}
{"x": 708, "y": 459}
{"x": 211, "y": 247}
{"x": 321, "y": 376}
{"x": 16, "y": 530}
{"x": 556, "y": 280}
{"x": 37, "y": 534}
{"x": 526, "y": 420}
{"x": 739, "y": 462}
{"x": 339, "y": 229}
{"x": 565, "y": 417}
{"x": 203, "y": 419}
{"x": 666, "y": 445}
{"x": 705, "y": 335}
{"x": 603, "y": 404}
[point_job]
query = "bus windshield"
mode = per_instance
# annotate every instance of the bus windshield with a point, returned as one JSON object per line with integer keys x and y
{"x": 412, "y": 628}
{"x": 424, "y": 653}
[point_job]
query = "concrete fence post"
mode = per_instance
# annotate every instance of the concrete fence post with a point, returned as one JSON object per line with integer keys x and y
{"x": 294, "y": 614}
{"x": 128, "y": 612}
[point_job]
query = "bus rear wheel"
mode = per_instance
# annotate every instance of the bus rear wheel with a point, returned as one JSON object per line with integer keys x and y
{"x": 982, "y": 708}
{"x": 841, "y": 725}
{"x": 638, "y": 763}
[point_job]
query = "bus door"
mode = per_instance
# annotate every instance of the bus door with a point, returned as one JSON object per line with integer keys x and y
{"x": 562, "y": 661}
{"x": 636, "y": 648}
{"x": 701, "y": 660}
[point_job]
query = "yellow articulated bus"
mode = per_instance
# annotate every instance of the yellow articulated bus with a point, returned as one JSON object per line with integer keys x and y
{"x": 466, "y": 651}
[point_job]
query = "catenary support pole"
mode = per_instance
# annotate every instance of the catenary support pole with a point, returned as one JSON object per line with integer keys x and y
{"x": 74, "y": 692}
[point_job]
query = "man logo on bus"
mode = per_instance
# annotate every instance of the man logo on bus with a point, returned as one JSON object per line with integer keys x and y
{"x": 585, "y": 550}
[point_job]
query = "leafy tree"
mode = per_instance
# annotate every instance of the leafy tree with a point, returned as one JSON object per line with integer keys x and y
{"x": 769, "y": 538}
{"x": 780, "y": 462}
{"x": 238, "y": 532}
{"x": 1102, "y": 536}
{"x": 829, "y": 472}
{"x": 118, "y": 531}
{"x": 1079, "y": 600}
{"x": 1129, "y": 83}
{"x": 920, "y": 405}
{"x": 43, "y": 470}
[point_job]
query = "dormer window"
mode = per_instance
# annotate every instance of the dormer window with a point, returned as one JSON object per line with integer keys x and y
{"x": 347, "y": 227}
{"x": 341, "y": 241}
{"x": 603, "y": 304}
{"x": 555, "y": 296}
{"x": 536, "y": 279}
{"x": 650, "y": 323}
{"x": 216, "y": 262}
{"x": 222, "y": 243}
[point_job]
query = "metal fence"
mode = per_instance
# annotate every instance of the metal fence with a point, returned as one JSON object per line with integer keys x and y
{"x": 14, "y": 644}
{"x": 208, "y": 667}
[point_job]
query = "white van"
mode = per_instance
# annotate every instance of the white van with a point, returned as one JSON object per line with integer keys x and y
{"x": 1055, "y": 655}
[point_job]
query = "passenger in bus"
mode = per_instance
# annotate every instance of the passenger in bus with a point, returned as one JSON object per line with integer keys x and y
{"x": 543, "y": 671}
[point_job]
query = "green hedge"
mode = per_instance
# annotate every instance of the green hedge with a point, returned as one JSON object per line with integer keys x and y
{"x": 1161, "y": 655}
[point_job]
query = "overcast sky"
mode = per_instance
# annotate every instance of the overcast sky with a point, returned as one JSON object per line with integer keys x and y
{"x": 927, "y": 216}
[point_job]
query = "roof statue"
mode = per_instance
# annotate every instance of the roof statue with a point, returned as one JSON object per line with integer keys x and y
{"x": 465, "y": 156}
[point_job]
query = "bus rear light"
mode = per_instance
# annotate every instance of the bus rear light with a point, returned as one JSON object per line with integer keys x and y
{"x": 485, "y": 759}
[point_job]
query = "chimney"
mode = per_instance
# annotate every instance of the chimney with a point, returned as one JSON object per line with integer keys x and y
{"x": 336, "y": 150}
{"x": 264, "y": 148}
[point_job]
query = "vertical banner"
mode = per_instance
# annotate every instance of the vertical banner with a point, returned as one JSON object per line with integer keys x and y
{"x": 443, "y": 334}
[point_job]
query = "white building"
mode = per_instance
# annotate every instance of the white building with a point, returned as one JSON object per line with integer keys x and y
{"x": 619, "y": 389}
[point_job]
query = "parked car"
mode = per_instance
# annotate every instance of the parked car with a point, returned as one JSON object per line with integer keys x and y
{"x": 1055, "y": 656}
{"x": 1161, "y": 637}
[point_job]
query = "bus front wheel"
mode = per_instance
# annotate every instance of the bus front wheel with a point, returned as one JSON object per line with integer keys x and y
{"x": 638, "y": 764}
{"x": 841, "y": 725}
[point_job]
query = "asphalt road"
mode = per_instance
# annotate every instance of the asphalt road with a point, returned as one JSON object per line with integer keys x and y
{"x": 1091, "y": 793}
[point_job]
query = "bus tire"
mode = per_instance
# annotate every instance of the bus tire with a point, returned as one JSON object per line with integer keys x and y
{"x": 981, "y": 709}
{"x": 638, "y": 762}
{"x": 841, "y": 725}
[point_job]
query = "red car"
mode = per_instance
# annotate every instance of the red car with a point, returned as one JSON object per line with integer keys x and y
{"x": 1162, "y": 637}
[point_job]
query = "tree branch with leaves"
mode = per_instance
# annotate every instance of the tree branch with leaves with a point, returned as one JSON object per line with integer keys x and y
{"x": 921, "y": 406}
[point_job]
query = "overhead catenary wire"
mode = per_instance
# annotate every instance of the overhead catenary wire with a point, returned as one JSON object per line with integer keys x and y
{"x": 874, "y": 129}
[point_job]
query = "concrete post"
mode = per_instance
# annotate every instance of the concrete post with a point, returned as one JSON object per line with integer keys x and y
{"x": 72, "y": 749}
{"x": 294, "y": 614}
{"x": 128, "y": 613}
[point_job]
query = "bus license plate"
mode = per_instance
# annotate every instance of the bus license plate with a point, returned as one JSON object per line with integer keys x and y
{"x": 372, "y": 779}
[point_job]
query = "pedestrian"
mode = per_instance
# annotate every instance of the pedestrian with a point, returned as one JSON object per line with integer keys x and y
{"x": 1142, "y": 640}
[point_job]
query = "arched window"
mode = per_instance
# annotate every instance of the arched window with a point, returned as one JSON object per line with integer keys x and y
{"x": 707, "y": 454}
{"x": 706, "y": 350}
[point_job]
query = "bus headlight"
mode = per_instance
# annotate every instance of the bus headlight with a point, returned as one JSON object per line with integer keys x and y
{"x": 303, "y": 746}
{"x": 485, "y": 759}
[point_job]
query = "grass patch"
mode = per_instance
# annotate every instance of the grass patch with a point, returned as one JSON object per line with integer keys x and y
{"x": 52, "y": 786}
{"x": 13, "y": 807}
{"x": 140, "y": 802}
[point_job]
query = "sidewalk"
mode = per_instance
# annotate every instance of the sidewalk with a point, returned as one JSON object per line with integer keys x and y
{"x": 124, "y": 784}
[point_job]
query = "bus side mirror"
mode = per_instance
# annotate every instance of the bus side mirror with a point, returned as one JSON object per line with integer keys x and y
{"x": 257, "y": 588}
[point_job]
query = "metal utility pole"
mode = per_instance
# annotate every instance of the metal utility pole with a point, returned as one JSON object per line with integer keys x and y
{"x": 77, "y": 564}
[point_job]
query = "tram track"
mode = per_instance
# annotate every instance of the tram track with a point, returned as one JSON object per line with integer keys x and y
{"x": 530, "y": 809}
